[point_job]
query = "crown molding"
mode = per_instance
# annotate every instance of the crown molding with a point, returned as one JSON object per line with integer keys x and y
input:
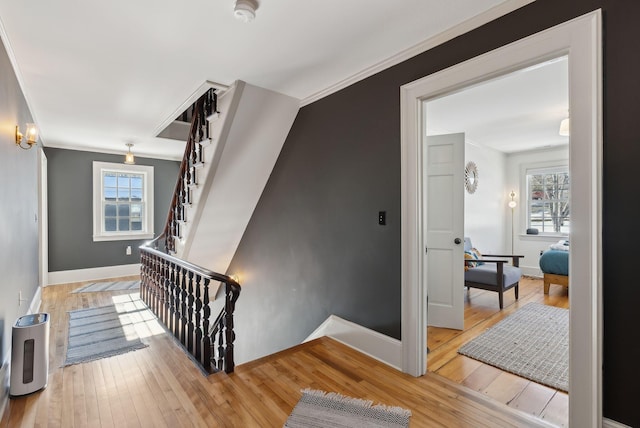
{"x": 453, "y": 32}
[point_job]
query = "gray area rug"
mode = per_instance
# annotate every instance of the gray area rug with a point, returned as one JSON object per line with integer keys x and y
{"x": 533, "y": 343}
{"x": 108, "y": 286}
{"x": 329, "y": 409}
{"x": 106, "y": 331}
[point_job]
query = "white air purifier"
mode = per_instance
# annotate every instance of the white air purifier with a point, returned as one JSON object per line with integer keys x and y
{"x": 29, "y": 354}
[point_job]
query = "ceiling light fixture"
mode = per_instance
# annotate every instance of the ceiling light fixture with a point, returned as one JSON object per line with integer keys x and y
{"x": 129, "y": 159}
{"x": 245, "y": 10}
{"x": 31, "y": 135}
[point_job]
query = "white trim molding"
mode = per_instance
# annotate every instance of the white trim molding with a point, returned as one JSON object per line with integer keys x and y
{"x": 479, "y": 20}
{"x": 93, "y": 274}
{"x": 580, "y": 39}
{"x": 376, "y": 345}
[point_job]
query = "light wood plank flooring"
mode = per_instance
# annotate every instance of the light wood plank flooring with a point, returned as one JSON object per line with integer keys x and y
{"x": 160, "y": 386}
{"x": 481, "y": 312}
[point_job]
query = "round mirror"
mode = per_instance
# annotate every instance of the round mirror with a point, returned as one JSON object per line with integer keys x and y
{"x": 471, "y": 177}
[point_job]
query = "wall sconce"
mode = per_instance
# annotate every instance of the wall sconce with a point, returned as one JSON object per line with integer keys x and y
{"x": 512, "y": 202}
{"x": 30, "y": 135}
{"x": 129, "y": 159}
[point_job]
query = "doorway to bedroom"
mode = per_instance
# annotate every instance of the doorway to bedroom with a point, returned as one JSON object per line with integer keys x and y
{"x": 516, "y": 200}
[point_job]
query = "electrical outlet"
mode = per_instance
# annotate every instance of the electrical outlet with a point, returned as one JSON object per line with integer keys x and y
{"x": 128, "y": 252}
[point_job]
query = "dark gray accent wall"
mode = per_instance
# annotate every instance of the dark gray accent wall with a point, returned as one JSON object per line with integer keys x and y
{"x": 313, "y": 243}
{"x": 70, "y": 193}
{"x": 18, "y": 211}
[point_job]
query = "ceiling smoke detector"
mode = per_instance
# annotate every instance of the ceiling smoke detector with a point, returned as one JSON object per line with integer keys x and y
{"x": 245, "y": 10}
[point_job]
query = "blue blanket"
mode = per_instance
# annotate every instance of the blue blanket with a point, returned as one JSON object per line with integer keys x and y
{"x": 556, "y": 262}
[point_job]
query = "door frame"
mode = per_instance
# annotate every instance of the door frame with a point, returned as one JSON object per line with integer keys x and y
{"x": 43, "y": 220}
{"x": 581, "y": 40}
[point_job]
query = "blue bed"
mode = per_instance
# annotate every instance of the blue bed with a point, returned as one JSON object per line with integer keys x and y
{"x": 555, "y": 266}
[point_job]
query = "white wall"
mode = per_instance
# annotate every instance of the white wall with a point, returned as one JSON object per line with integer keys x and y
{"x": 484, "y": 213}
{"x": 527, "y": 245}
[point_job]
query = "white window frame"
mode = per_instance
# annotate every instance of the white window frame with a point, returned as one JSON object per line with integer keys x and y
{"x": 540, "y": 168}
{"x": 99, "y": 234}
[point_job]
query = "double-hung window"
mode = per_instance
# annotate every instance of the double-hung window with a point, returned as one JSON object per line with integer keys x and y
{"x": 122, "y": 201}
{"x": 548, "y": 192}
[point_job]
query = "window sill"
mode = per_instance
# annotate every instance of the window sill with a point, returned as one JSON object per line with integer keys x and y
{"x": 540, "y": 237}
{"x": 132, "y": 237}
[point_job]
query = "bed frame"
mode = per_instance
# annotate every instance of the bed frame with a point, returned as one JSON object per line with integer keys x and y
{"x": 552, "y": 278}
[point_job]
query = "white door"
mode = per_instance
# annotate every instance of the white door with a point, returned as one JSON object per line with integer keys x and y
{"x": 444, "y": 230}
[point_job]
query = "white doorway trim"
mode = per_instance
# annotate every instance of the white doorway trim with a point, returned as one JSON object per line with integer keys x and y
{"x": 43, "y": 220}
{"x": 580, "y": 39}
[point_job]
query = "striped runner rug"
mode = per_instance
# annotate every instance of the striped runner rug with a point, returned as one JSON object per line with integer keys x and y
{"x": 330, "y": 409}
{"x": 105, "y": 331}
{"x": 109, "y": 286}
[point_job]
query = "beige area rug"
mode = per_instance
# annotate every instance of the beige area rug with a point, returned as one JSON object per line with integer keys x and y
{"x": 329, "y": 409}
{"x": 533, "y": 342}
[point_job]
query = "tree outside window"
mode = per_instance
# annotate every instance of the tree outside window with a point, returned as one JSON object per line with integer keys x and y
{"x": 548, "y": 200}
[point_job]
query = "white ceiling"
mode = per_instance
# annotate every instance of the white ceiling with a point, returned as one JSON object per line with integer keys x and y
{"x": 97, "y": 75}
{"x": 517, "y": 112}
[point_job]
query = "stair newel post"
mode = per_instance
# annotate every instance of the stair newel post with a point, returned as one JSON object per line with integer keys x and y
{"x": 198, "y": 319}
{"x": 206, "y": 314}
{"x": 229, "y": 308}
{"x": 190, "y": 327}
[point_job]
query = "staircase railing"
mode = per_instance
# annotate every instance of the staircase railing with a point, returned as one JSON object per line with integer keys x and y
{"x": 178, "y": 292}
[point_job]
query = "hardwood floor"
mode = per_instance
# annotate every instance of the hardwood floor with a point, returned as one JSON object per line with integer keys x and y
{"x": 160, "y": 386}
{"x": 481, "y": 312}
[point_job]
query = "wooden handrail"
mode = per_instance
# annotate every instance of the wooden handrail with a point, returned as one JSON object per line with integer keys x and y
{"x": 176, "y": 290}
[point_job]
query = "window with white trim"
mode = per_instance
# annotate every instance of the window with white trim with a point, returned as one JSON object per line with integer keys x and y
{"x": 548, "y": 207}
{"x": 122, "y": 201}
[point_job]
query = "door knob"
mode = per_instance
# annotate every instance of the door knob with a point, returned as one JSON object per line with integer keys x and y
{"x": 457, "y": 241}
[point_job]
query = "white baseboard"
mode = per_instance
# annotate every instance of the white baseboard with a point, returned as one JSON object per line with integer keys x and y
{"x": 608, "y": 423}
{"x": 91, "y": 274}
{"x": 376, "y": 345}
{"x": 531, "y": 271}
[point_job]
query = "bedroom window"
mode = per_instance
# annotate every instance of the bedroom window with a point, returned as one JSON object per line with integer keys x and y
{"x": 122, "y": 201}
{"x": 548, "y": 192}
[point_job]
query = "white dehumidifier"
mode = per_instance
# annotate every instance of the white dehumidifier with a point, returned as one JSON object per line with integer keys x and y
{"x": 29, "y": 354}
